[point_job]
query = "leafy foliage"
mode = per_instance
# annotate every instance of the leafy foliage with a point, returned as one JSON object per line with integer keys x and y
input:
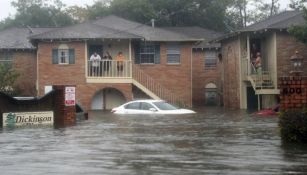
{"x": 300, "y": 32}
{"x": 38, "y": 13}
{"x": 219, "y": 15}
{"x": 244, "y": 12}
{"x": 293, "y": 126}
{"x": 8, "y": 77}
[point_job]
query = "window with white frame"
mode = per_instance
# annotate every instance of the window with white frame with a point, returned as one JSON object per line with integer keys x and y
{"x": 210, "y": 59}
{"x": 147, "y": 53}
{"x": 6, "y": 57}
{"x": 63, "y": 54}
{"x": 173, "y": 53}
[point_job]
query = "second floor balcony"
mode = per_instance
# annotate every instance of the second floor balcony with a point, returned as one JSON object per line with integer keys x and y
{"x": 109, "y": 71}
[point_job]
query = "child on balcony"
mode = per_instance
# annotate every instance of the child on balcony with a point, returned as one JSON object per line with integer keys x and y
{"x": 120, "y": 58}
{"x": 258, "y": 64}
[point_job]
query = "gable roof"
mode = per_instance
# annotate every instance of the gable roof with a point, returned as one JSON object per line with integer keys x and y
{"x": 113, "y": 27}
{"x": 198, "y": 32}
{"x": 17, "y": 38}
{"x": 87, "y": 30}
{"x": 282, "y": 20}
{"x": 147, "y": 32}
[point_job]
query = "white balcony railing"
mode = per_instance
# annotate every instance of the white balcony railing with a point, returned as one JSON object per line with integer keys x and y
{"x": 109, "y": 69}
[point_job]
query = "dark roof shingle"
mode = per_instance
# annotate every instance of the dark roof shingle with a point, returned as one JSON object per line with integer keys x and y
{"x": 18, "y": 38}
{"x": 282, "y": 20}
{"x": 113, "y": 27}
{"x": 86, "y": 30}
{"x": 197, "y": 32}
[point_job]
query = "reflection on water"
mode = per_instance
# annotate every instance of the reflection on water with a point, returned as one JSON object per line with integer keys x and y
{"x": 213, "y": 141}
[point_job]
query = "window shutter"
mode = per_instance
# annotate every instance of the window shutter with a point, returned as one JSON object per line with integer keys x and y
{"x": 137, "y": 52}
{"x": 55, "y": 59}
{"x": 71, "y": 56}
{"x": 157, "y": 54}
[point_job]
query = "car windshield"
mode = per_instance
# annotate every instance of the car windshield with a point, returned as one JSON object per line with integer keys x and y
{"x": 162, "y": 105}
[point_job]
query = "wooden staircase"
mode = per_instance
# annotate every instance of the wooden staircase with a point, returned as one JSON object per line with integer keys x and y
{"x": 153, "y": 88}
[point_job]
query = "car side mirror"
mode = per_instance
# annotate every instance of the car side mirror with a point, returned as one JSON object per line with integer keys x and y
{"x": 153, "y": 109}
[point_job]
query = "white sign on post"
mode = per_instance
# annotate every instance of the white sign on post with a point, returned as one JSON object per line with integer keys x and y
{"x": 70, "y": 96}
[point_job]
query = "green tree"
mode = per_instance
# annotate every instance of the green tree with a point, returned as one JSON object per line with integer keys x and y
{"x": 8, "y": 77}
{"x": 98, "y": 9}
{"x": 208, "y": 13}
{"x": 38, "y": 13}
{"x": 300, "y": 32}
{"x": 297, "y": 4}
{"x": 79, "y": 14}
{"x": 245, "y": 12}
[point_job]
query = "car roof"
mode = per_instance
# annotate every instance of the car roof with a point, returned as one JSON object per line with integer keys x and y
{"x": 146, "y": 100}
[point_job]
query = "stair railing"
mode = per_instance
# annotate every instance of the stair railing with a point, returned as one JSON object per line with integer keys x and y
{"x": 155, "y": 87}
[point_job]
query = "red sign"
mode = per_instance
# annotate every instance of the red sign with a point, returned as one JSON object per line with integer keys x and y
{"x": 70, "y": 96}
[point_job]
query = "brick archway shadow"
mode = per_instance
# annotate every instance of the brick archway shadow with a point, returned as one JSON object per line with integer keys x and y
{"x": 107, "y": 98}
{"x": 86, "y": 93}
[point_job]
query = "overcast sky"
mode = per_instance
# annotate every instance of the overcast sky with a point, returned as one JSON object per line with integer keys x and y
{"x": 7, "y": 10}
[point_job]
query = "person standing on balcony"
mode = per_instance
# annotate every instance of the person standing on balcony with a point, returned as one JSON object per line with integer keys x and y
{"x": 253, "y": 56}
{"x": 95, "y": 62}
{"x": 258, "y": 64}
{"x": 107, "y": 62}
{"x": 120, "y": 58}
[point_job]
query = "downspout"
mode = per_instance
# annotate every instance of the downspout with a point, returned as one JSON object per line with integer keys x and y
{"x": 85, "y": 56}
{"x": 191, "y": 100}
{"x": 37, "y": 71}
{"x": 130, "y": 57}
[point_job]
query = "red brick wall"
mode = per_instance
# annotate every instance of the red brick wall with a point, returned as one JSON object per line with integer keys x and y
{"x": 73, "y": 74}
{"x": 203, "y": 76}
{"x": 286, "y": 47}
{"x": 25, "y": 65}
{"x": 293, "y": 92}
{"x": 231, "y": 91}
{"x": 174, "y": 77}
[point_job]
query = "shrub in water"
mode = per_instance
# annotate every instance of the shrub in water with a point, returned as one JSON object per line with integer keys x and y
{"x": 293, "y": 126}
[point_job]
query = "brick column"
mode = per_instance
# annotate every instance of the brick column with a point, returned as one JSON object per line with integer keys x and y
{"x": 293, "y": 92}
{"x": 63, "y": 115}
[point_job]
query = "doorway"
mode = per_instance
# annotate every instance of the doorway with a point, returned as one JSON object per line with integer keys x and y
{"x": 211, "y": 97}
{"x": 107, "y": 99}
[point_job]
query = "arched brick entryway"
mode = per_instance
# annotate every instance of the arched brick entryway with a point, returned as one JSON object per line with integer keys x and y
{"x": 85, "y": 94}
{"x": 107, "y": 99}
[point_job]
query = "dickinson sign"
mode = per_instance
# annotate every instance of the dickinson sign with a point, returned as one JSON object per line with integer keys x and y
{"x": 28, "y": 118}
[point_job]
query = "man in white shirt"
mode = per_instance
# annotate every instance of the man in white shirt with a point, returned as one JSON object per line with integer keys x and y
{"x": 95, "y": 66}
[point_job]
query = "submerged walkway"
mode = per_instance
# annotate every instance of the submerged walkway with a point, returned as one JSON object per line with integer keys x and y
{"x": 211, "y": 142}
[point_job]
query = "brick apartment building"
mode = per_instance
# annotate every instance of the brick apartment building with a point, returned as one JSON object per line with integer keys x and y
{"x": 159, "y": 63}
{"x": 245, "y": 89}
{"x": 176, "y": 64}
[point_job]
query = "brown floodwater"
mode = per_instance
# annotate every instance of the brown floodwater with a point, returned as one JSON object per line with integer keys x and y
{"x": 213, "y": 141}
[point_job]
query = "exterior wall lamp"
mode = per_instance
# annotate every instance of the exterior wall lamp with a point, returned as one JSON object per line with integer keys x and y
{"x": 297, "y": 64}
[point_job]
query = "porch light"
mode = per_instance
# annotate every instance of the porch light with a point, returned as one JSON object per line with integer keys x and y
{"x": 297, "y": 63}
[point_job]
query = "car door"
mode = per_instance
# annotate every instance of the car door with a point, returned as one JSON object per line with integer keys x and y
{"x": 147, "y": 108}
{"x": 133, "y": 108}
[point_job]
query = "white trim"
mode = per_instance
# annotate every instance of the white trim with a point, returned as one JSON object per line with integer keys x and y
{"x": 191, "y": 100}
{"x": 275, "y": 59}
{"x": 108, "y": 80}
{"x": 240, "y": 75}
{"x": 147, "y": 91}
{"x": 85, "y": 56}
{"x": 37, "y": 70}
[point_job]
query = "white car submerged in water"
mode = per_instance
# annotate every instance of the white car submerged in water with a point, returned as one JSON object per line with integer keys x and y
{"x": 149, "y": 107}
